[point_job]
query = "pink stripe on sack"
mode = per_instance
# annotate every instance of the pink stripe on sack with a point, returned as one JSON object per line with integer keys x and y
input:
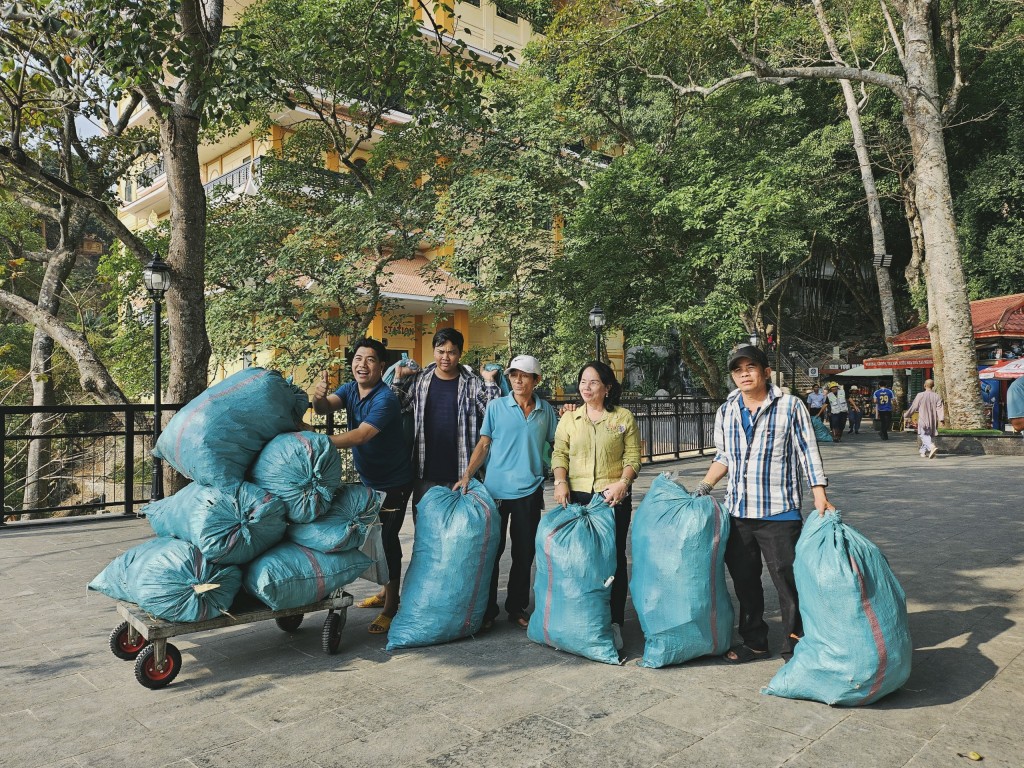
{"x": 876, "y": 634}
{"x": 468, "y": 622}
{"x": 193, "y": 414}
{"x": 551, "y": 574}
{"x": 197, "y": 569}
{"x": 321, "y": 586}
{"x": 714, "y": 580}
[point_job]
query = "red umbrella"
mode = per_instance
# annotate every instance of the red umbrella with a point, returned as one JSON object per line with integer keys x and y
{"x": 1008, "y": 369}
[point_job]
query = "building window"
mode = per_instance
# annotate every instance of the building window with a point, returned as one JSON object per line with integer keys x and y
{"x": 503, "y": 14}
{"x": 474, "y": 3}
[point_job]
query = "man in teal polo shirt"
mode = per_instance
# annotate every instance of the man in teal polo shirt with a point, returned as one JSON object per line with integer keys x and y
{"x": 515, "y": 430}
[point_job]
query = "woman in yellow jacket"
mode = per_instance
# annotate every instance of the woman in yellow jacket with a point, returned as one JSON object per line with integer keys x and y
{"x": 597, "y": 450}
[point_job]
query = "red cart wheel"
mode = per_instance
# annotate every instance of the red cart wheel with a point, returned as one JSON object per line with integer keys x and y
{"x": 122, "y": 645}
{"x": 289, "y": 623}
{"x": 146, "y": 671}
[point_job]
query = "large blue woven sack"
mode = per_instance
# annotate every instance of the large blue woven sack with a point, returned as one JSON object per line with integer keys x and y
{"x": 575, "y": 568}
{"x": 823, "y": 433}
{"x": 302, "y": 469}
{"x": 856, "y": 646}
{"x": 214, "y": 438}
{"x": 291, "y": 576}
{"x": 170, "y": 579}
{"x": 503, "y": 384}
{"x": 353, "y": 510}
{"x": 444, "y": 596}
{"x": 678, "y": 580}
{"x": 230, "y": 525}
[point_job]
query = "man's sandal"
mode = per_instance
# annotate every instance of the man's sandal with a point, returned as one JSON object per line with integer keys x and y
{"x": 741, "y": 654}
{"x": 377, "y": 601}
{"x": 519, "y": 619}
{"x": 380, "y": 625}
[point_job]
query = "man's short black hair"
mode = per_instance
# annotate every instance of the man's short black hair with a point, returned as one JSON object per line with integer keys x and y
{"x": 376, "y": 346}
{"x": 449, "y": 334}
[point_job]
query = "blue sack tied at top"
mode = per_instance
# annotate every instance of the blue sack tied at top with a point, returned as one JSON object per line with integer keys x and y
{"x": 303, "y": 469}
{"x": 215, "y": 437}
{"x": 170, "y": 579}
{"x": 291, "y": 576}
{"x": 821, "y": 431}
{"x": 230, "y": 526}
{"x": 445, "y": 593}
{"x": 856, "y": 646}
{"x": 572, "y": 589}
{"x": 502, "y": 380}
{"x": 678, "y": 580}
{"x": 353, "y": 511}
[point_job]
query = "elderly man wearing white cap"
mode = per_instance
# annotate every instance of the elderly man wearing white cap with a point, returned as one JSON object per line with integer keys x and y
{"x": 515, "y": 431}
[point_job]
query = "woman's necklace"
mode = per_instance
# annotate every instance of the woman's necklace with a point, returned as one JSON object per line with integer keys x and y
{"x": 595, "y": 417}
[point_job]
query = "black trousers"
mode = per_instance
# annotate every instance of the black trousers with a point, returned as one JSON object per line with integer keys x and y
{"x": 392, "y": 516}
{"x": 775, "y": 541}
{"x": 884, "y": 424}
{"x": 623, "y": 516}
{"x": 519, "y": 520}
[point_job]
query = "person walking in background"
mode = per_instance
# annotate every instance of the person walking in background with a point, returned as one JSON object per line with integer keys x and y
{"x": 930, "y": 414}
{"x": 838, "y": 410}
{"x": 815, "y": 400}
{"x": 516, "y": 429}
{"x": 856, "y": 411}
{"x": 597, "y": 451}
{"x": 764, "y": 441}
{"x": 380, "y": 453}
{"x": 883, "y": 398}
{"x": 1015, "y": 404}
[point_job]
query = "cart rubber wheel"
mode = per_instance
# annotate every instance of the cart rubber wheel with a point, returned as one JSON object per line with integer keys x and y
{"x": 121, "y": 644}
{"x": 149, "y": 676}
{"x": 333, "y": 625}
{"x": 289, "y": 623}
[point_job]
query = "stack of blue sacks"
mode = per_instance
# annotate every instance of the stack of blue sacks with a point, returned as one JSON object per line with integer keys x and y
{"x": 290, "y": 537}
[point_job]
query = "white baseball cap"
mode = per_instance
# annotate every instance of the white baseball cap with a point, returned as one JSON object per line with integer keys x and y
{"x": 524, "y": 363}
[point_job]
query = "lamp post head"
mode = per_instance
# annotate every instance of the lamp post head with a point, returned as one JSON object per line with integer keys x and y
{"x": 157, "y": 277}
{"x": 793, "y": 354}
{"x": 596, "y": 318}
{"x": 754, "y": 339}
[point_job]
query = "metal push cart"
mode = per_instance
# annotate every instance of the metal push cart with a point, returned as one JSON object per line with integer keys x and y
{"x": 142, "y": 638}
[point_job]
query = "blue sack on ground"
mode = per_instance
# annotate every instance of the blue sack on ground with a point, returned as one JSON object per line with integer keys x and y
{"x": 856, "y": 646}
{"x": 302, "y": 469}
{"x": 291, "y": 576}
{"x": 353, "y": 511}
{"x": 678, "y": 579}
{"x": 170, "y": 579}
{"x": 215, "y": 437}
{"x": 229, "y": 526}
{"x": 575, "y": 568}
{"x": 823, "y": 433}
{"x": 445, "y": 593}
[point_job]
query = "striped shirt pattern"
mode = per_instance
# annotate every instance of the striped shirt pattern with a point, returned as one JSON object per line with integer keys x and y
{"x": 474, "y": 394}
{"x": 764, "y": 474}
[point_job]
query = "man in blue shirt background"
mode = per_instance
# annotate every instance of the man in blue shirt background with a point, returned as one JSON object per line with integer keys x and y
{"x": 381, "y": 454}
{"x": 515, "y": 431}
{"x": 1015, "y": 404}
{"x": 884, "y": 399}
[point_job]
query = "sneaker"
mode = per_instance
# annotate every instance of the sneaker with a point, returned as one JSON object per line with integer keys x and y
{"x": 617, "y": 636}
{"x": 933, "y": 451}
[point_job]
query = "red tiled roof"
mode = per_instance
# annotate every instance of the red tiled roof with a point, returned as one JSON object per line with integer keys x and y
{"x": 411, "y": 277}
{"x": 992, "y": 318}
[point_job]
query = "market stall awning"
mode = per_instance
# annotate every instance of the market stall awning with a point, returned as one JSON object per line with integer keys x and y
{"x": 909, "y": 358}
{"x": 1004, "y": 369}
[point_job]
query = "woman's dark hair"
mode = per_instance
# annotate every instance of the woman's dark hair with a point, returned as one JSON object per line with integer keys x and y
{"x": 449, "y": 334}
{"x": 607, "y": 376}
{"x": 376, "y": 346}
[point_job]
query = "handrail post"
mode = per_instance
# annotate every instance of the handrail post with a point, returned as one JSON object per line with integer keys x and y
{"x": 129, "y": 461}
{"x": 700, "y": 426}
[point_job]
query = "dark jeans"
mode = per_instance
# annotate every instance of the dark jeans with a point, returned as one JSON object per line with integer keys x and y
{"x": 838, "y": 422}
{"x": 392, "y": 515}
{"x": 623, "y": 514}
{"x": 749, "y": 540}
{"x": 884, "y": 424}
{"x": 519, "y": 518}
{"x": 855, "y": 421}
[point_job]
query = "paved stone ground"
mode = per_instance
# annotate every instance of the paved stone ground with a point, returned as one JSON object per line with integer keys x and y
{"x": 259, "y": 698}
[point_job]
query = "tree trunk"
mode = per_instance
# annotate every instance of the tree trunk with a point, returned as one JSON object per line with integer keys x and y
{"x": 949, "y": 308}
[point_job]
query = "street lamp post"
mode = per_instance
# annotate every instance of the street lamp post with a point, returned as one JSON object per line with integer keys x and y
{"x": 157, "y": 277}
{"x": 792, "y": 365}
{"x": 597, "y": 323}
{"x": 754, "y": 339}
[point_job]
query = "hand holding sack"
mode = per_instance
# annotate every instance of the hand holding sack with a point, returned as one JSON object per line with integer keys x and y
{"x": 856, "y": 646}
{"x": 216, "y": 436}
{"x": 444, "y": 596}
{"x": 303, "y": 469}
{"x": 171, "y": 580}
{"x": 678, "y": 580}
{"x": 229, "y": 526}
{"x": 575, "y": 568}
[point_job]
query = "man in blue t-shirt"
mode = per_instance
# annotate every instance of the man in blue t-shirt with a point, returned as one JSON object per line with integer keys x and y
{"x": 884, "y": 399}
{"x": 516, "y": 429}
{"x": 381, "y": 455}
{"x": 1015, "y": 404}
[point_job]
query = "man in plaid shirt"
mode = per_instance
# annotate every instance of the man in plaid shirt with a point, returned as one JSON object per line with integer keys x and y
{"x": 764, "y": 441}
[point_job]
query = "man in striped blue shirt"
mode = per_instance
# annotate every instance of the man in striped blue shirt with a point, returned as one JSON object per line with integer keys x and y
{"x": 764, "y": 441}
